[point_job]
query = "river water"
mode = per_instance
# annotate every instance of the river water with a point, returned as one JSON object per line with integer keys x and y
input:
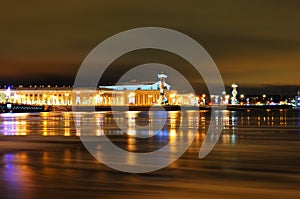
{"x": 256, "y": 156}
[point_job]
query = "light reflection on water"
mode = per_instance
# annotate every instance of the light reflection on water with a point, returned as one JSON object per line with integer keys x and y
{"x": 17, "y": 176}
{"x": 63, "y": 123}
{"x": 257, "y": 157}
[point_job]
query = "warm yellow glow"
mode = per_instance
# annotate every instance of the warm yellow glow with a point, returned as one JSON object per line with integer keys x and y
{"x": 173, "y": 133}
{"x": 172, "y": 95}
{"x": 67, "y": 132}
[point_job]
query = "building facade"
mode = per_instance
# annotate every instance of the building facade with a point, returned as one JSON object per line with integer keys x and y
{"x": 66, "y": 96}
{"x": 119, "y": 95}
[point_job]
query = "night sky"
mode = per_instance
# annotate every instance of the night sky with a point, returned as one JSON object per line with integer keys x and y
{"x": 253, "y": 43}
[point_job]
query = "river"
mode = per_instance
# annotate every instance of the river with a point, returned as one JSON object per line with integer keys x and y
{"x": 256, "y": 156}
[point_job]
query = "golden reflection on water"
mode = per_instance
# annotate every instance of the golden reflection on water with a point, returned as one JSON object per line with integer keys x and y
{"x": 35, "y": 172}
{"x": 71, "y": 124}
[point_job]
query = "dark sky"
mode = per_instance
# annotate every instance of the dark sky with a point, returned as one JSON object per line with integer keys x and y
{"x": 253, "y": 43}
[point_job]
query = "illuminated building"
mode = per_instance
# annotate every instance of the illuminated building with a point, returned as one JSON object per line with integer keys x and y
{"x": 119, "y": 95}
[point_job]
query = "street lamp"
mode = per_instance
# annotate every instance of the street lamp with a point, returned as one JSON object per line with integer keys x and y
{"x": 203, "y": 99}
{"x": 242, "y": 98}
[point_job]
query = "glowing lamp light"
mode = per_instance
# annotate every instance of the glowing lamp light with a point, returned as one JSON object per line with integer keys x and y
{"x": 7, "y": 92}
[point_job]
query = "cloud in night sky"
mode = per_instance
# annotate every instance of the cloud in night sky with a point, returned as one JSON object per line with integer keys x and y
{"x": 252, "y": 42}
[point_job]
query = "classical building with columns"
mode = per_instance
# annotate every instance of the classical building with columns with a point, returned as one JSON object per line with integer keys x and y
{"x": 118, "y": 95}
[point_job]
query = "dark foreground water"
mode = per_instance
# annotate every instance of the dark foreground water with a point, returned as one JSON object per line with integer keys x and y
{"x": 257, "y": 156}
